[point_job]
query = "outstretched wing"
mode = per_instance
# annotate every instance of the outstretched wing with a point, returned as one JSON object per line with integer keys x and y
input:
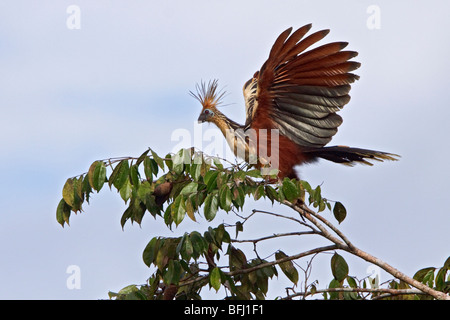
{"x": 298, "y": 91}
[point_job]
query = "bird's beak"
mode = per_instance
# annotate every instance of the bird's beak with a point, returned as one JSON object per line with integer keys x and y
{"x": 202, "y": 118}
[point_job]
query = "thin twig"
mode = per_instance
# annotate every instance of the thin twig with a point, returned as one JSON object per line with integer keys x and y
{"x": 349, "y": 247}
{"x": 267, "y": 264}
{"x": 285, "y": 217}
{"x": 274, "y": 236}
{"x": 388, "y": 292}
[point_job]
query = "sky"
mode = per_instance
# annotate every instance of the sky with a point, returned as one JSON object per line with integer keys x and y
{"x": 116, "y": 81}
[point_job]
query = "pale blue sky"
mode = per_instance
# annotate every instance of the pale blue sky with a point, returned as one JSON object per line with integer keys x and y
{"x": 120, "y": 84}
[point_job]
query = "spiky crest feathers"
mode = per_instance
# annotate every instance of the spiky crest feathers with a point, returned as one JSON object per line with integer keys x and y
{"x": 208, "y": 94}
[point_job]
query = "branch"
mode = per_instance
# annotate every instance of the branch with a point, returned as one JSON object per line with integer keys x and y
{"x": 349, "y": 247}
{"x": 288, "y": 258}
{"x": 388, "y": 292}
{"x": 311, "y": 215}
{"x": 276, "y": 235}
{"x": 283, "y": 216}
{"x": 266, "y": 264}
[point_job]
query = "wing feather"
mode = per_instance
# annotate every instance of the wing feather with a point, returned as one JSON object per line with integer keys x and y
{"x": 301, "y": 90}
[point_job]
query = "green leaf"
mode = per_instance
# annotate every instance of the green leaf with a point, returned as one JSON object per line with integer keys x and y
{"x": 191, "y": 187}
{"x": 217, "y": 163}
{"x": 195, "y": 171}
{"x": 440, "y": 278}
{"x": 306, "y": 185}
{"x": 173, "y": 273}
{"x": 68, "y": 192}
{"x": 214, "y": 278}
{"x": 259, "y": 192}
{"x": 187, "y": 249}
{"x": 145, "y": 189}
{"x": 97, "y": 175}
{"x": 190, "y": 211}
{"x": 180, "y": 243}
{"x": 63, "y": 213}
{"x": 158, "y": 159}
{"x": 86, "y": 188}
{"x": 119, "y": 174}
{"x": 419, "y": 275}
{"x": 287, "y": 267}
{"x": 339, "y": 267}
{"x": 125, "y": 191}
{"x": 142, "y": 157}
{"x": 210, "y": 180}
{"x": 168, "y": 216}
{"x": 322, "y": 205}
{"x": 179, "y": 159}
{"x": 225, "y": 197}
{"x": 168, "y": 161}
{"x": 150, "y": 168}
{"x": 79, "y": 196}
{"x": 176, "y": 273}
{"x": 237, "y": 259}
{"x": 126, "y": 215}
{"x": 72, "y": 193}
{"x": 199, "y": 244}
{"x": 196, "y": 166}
{"x": 128, "y": 290}
{"x": 271, "y": 193}
{"x": 149, "y": 253}
{"x": 447, "y": 263}
{"x": 429, "y": 278}
{"x": 152, "y": 207}
{"x": 352, "y": 282}
{"x": 339, "y": 212}
{"x": 178, "y": 210}
{"x": 425, "y": 275}
{"x": 211, "y": 206}
{"x": 205, "y": 167}
{"x": 334, "y": 284}
{"x": 255, "y": 173}
{"x": 162, "y": 255}
{"x": 220, "y": 235}
{"x": 350, "y": 296}
{"x": 317, "y": 196}
{"x": 222, "y": 179}
{"x": 239, "y": 227}
{"x": 290, "y": 190}
{"x": 135, "y": 177}
{"x": 238, "y": 196}
{"x": 137, "y": 210}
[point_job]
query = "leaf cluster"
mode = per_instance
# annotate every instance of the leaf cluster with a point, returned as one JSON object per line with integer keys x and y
{"x": 192, "y": 181}
{"x": 193, "y": 185}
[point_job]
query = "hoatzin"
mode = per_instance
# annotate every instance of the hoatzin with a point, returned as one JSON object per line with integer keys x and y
{"x": 292, "y": 101}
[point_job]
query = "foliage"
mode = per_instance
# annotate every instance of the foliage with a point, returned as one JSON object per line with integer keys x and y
{"x": 189, "y": 185}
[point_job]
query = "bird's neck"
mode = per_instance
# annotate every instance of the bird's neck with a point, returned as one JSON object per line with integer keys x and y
{"x": 224, "y": 123}
{"x": 236, "y": 137}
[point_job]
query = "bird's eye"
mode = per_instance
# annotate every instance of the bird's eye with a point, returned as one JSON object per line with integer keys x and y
{"x": 206, "y": 111}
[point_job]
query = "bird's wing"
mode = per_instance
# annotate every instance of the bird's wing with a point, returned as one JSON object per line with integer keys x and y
{"x": 298, "y": 91}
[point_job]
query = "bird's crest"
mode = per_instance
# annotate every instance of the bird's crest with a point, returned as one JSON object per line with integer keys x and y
{"x": 208, "y": 94}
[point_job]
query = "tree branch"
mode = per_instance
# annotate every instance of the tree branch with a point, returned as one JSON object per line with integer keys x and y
{"x": 266, "y": 264}
{"x": 276, "y": 235}
{"x": 388, "y": 292}
{"x": 349, "y": 247}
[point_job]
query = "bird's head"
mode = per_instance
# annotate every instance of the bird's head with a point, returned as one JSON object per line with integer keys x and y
{"x": 209, "y": 97}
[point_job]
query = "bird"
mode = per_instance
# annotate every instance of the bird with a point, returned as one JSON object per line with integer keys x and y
{"x": 291, "y": 106}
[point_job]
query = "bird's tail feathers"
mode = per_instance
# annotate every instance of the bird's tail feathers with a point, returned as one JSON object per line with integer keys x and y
{"x": 350, "y": 156}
